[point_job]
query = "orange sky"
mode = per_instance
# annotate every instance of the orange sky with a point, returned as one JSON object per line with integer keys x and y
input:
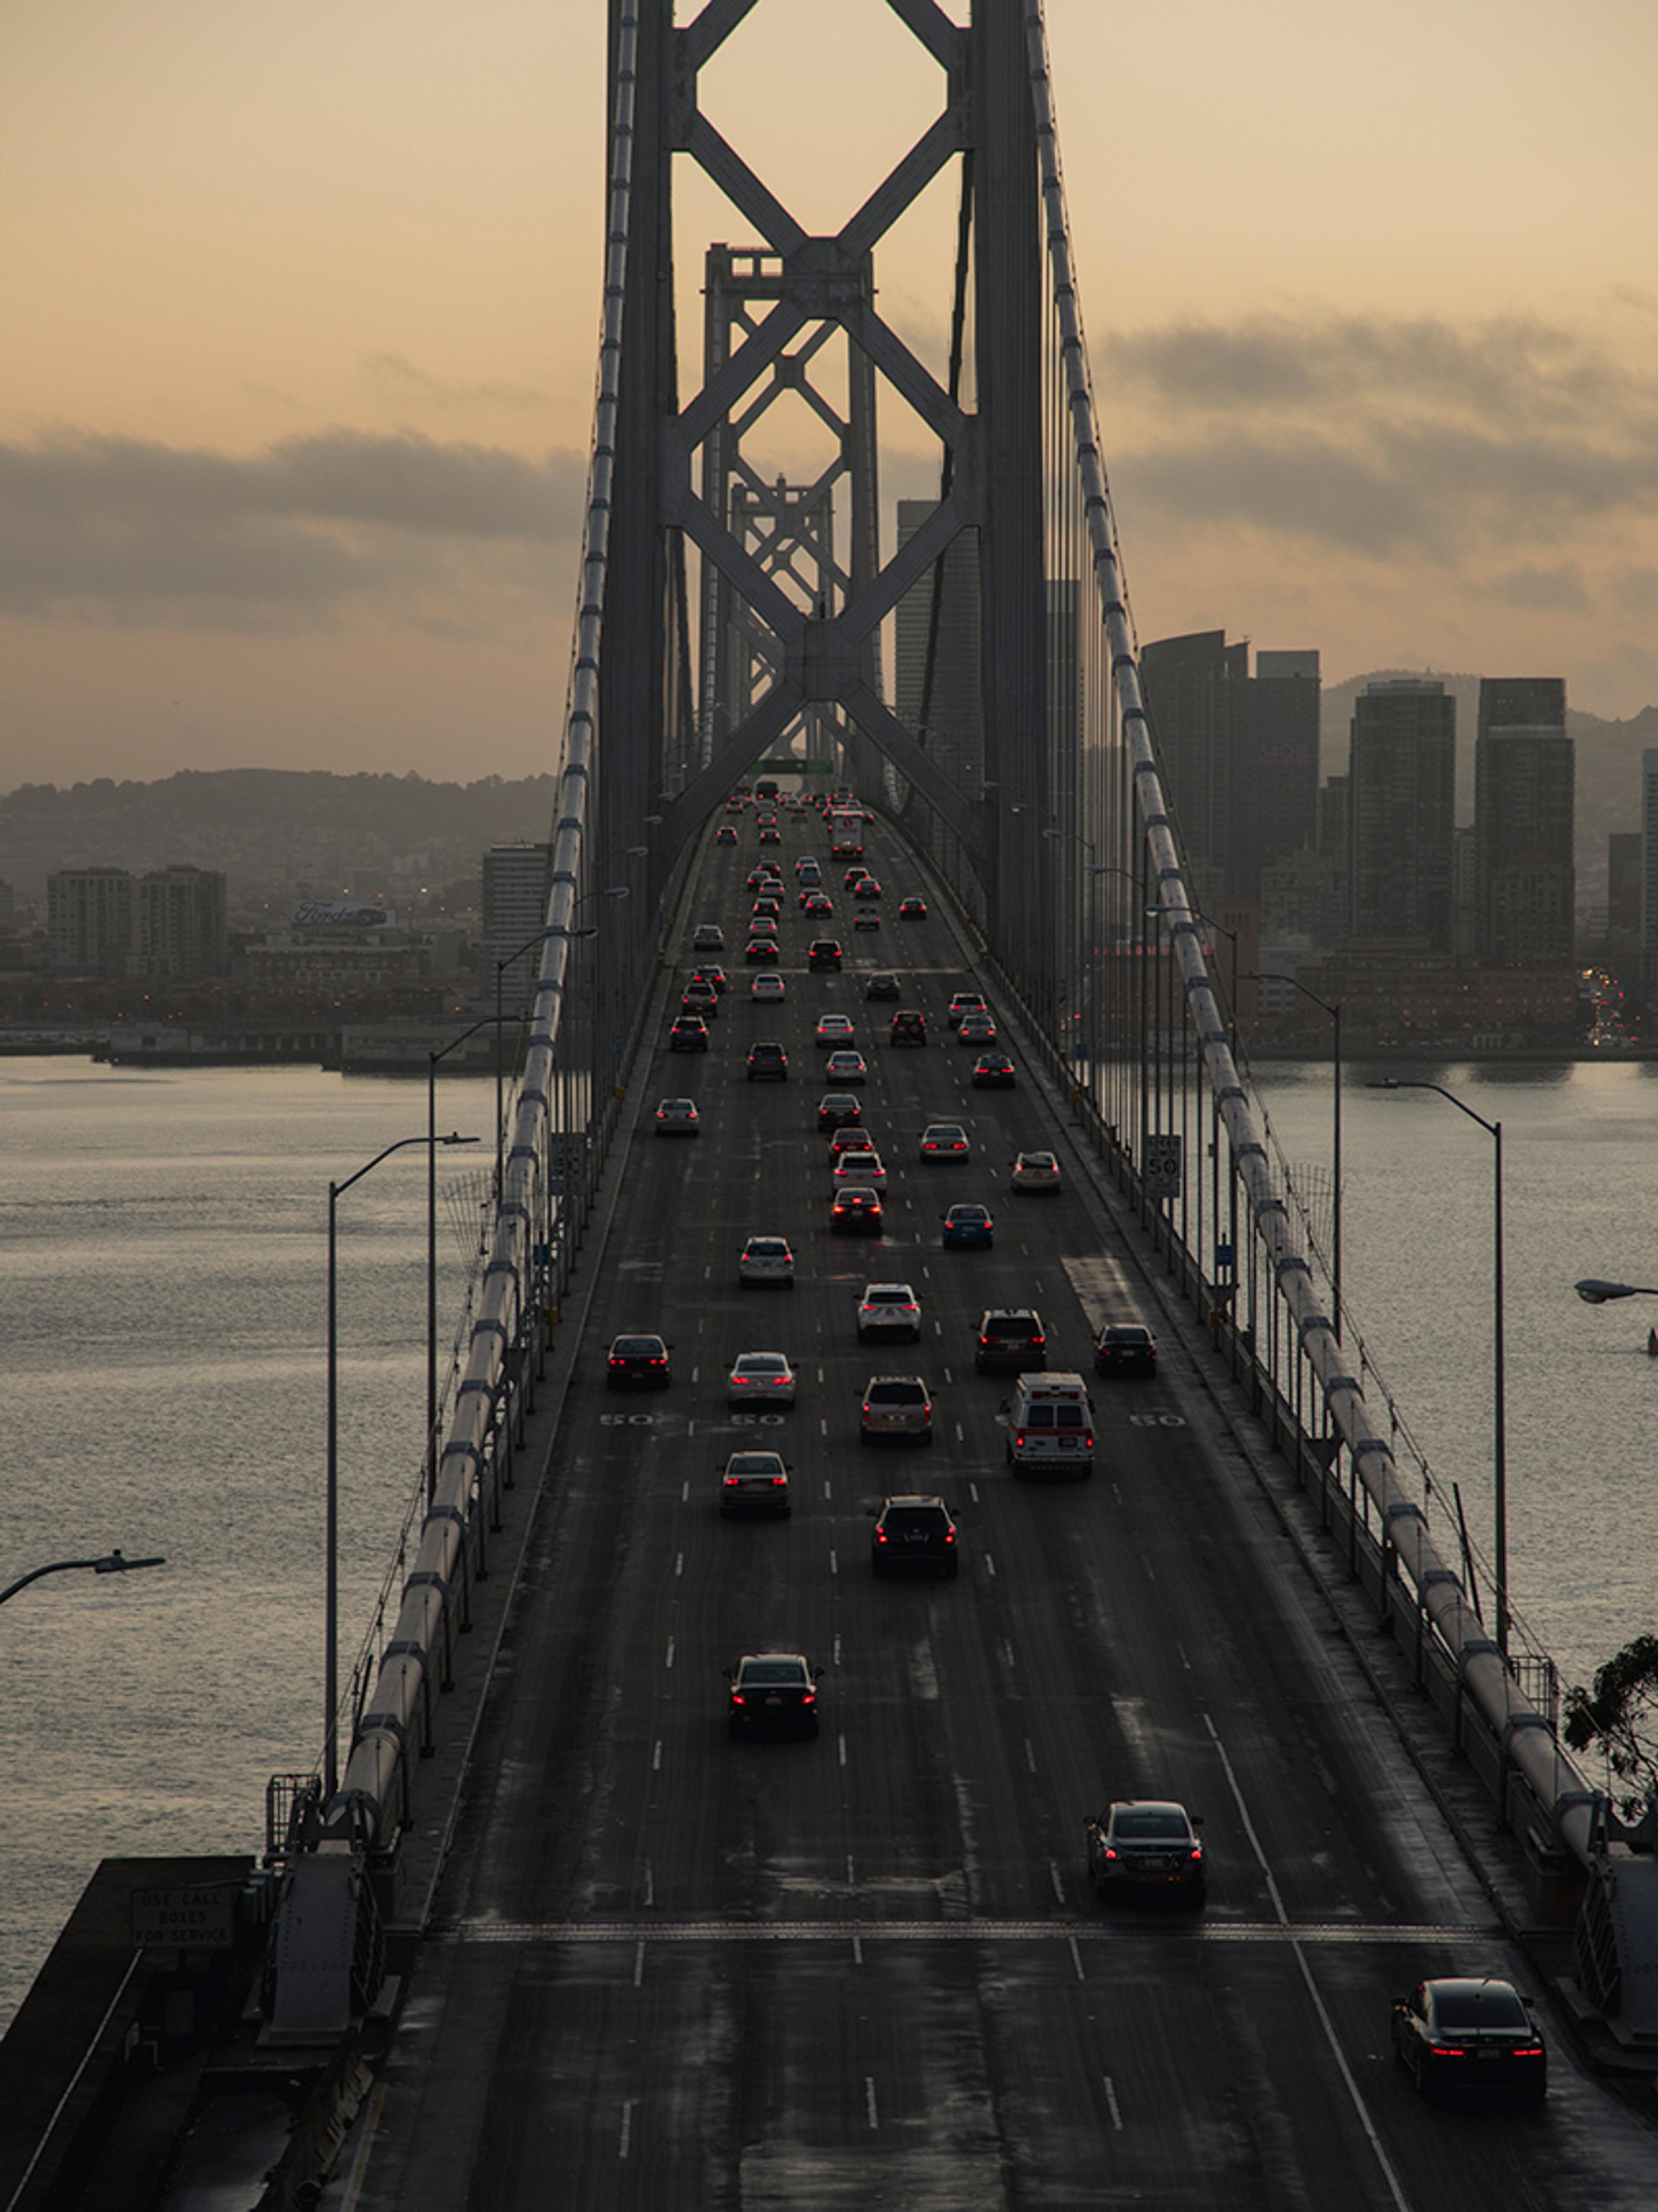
{"x": 294, "y": 402}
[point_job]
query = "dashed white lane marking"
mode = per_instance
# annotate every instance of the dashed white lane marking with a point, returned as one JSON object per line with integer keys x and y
{"x": 626, "y": 2140}
{"x": 671, "y": 1651}
{"x": 1076, "y": 1960}
{"x": 869, "y": 2100}
{"x": 843, "y": 1751}
{"x": 650, "y": 1890}
{"x": 1057, "y": 1879}
{"x": 656, "y": 1756}
{"x": 1030, "y": 1756}
{"x": 1112, "y": 2106}
{"x": 639, "y": 1964}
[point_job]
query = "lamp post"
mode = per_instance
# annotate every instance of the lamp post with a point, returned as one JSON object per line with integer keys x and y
{"x": 553, "y": 929}
{"x": 432, "y": 1060}
{"x": 1593, "y": 1292}
{"x": 1275, "y": 975}
{"x": 330, "y": 1630}
{"x": 1499, "y": 1405}
{"x": 111, "y": 1563}
{"x": 1091, "y": 981}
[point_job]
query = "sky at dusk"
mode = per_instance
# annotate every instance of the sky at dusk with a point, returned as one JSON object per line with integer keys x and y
{"x": 295, "y": 392}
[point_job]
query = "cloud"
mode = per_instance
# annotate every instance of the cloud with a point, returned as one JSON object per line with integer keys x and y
{"x": 1553, "y": 591}
{"x": 121, "y": 531}
{"x": 1387, "y": 439}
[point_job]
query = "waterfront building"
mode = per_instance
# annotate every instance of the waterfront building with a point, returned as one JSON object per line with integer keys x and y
{"x": 1524, "y": 766}
{"x": 89, "y": 921}
{"x": 182, "y": 936}
{"x": 516, "y": 879}
{"x": 1649, "y": 910}
{"x": 1401, "y": 799}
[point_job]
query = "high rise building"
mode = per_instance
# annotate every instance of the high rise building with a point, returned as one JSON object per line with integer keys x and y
{"x": 1239, "y": 755}
{"x": 89, "y": 921}
{"x": 1401, "y": 807}
{"x": 1649, "y": 853}
{"x": 1524, "y": 767}
{"x": 182, "y": 936}
{"x": 935, "y": 665}
{"x": 516, "y": 879}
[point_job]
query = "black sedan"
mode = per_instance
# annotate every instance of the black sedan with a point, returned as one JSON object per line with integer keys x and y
{"x": 1462, "y": 2034}
{"x": 1124, "y": 1347}
{"x": 993, "y": 1071}
{"x": 1146, "y": 1844}
{"x": 838, "y": 1109}
{"x": 772, "y": 1693}
{"x": 638, "y": 1363}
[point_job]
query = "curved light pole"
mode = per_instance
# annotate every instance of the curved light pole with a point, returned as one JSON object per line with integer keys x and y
{"x": 1499, "y": 1388}
{"x": 1276, "y": 976}
{"x": 547, "y": 930}
{"x": 331, "y": 1597}
{"x": 112, "y": 1563}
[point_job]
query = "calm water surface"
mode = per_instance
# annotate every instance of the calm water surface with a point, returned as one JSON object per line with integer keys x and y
{"x": 162, "y": 1328}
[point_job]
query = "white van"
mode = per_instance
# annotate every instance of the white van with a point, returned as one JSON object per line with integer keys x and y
{"x": 1050, "y": 1426}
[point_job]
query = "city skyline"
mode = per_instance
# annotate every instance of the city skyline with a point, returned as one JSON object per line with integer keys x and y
{"x": 293, "y": 423}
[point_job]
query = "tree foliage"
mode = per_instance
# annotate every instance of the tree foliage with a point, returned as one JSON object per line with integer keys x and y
{"x": 1620, "y": 1715}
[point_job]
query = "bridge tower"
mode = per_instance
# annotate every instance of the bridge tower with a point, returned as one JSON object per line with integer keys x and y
{"x": 678, "y": 468}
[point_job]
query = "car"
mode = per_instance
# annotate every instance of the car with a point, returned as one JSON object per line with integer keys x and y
{"x": 911, "y": 910}
{"x": 968, "y": 1228}
{"x": 767, "y": 988}
{"x": 710, "y": 973}
{"x": 707, "y": 937}
{"x": 638, "y": 1363}
{"x": 823, "y": 952}
{"x": 1035, "y": 1171}
{"x": 846, "y": 1067}
{"x": 772, "y": 1693}
{"x": 725, "y": 834}
{"x": 760, "y": 949}
{"x": 854, "y": 1166}
{"x": 763, "y": 924}
{"x": 866, "y": 891}
{"x": 865, "y": 918}
{"x": 908, "y": 1026}
{"x": 853, "y": 877}
{"x": 1463, "y": 2032}
{"x": 700, "y": 997}
{"x": 838, "y": 1110}
{"x": 689, "y": 1034}
{"x": 944, "y": 1140}
{"x": 852, "y": 1138}
{"x": 766, "y": 908}
{"x": 806, "y": 870}
{"x": 754, "y": 1482}
{"x": 833, "y": 1031}
{"x": 759, "y": 1378}
{"x": 766, "y": 1259}
{"x": 765, "y": 872}
{"x": 770, "y": 834}
{"x": 883, "y": 984}
{"x": 856, "y": 1212}
{"x": 915, "y": 1536}
{"x": 895, "y": 1406}
{"x": 1145, "y": 1844}
{"x": 976, "y": 1029}
{"x": 889, "y": 1310}
{"x": 677, "y": 1117}
{"x": 1011, "y": 1337}
{"x": 1124, "y": 1347}
{"x": 818, "y": 904}
{"x": 964, "y": 1002}
{"x": 767, "y": 1062}
{"x": 993, "y": 1071}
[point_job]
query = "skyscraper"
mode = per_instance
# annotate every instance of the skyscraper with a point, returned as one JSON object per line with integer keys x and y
{"x": 182, "y": 936}
{"x": 89, "y": 921}
{"x": 1649, "y": 853}
{"x": 1275, "y": 733}
{"x": 1188, "y": 694}
{"x": 1401, "y": 799}
{"x": 516, "y": 881}
{"x": 1524, "y": 767}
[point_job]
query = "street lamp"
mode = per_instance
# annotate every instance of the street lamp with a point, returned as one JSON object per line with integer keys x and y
{"x": 1594, "y": 1292}
{"x": 1499, "y": 1406}
{"x": 112, "y": 1563}
{"x": 1089, "y": 923}
{"x": 1275, "y": 975}
{"x": 331, "y": 1633}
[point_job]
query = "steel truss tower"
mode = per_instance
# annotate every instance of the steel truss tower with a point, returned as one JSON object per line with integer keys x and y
{"x": 822, "y": 651}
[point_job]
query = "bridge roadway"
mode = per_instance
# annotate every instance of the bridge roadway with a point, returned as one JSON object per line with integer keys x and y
{"x": 670, "y": 1971}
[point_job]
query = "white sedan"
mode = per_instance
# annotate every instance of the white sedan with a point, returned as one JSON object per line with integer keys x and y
{"x": 767, "y": 987}
{"x": 1035, "y": 1171}
{"x": 761, "y": 1378}
{"x": 864, "y": 1167}
{"x": 767, "y": 1259}
{"x": 835, "y": 1029}
{"x": 889, "y": 1310}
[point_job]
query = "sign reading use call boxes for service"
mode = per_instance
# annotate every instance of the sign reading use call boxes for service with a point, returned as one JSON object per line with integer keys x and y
{"x": 185, "y": 1919}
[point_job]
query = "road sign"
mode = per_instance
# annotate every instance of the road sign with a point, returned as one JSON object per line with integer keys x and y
{"x": 1162, "y": 1166}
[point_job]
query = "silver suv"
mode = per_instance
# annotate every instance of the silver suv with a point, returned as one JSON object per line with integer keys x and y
{"x": 897, "y": 1406}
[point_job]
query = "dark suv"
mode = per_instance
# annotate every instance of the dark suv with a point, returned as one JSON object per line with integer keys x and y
{"x": 823, "y": 952}
{"x": 1011, "y": 1337}
{"x": 767, "y": 1062}
{"x": 909, "y": 1026}
{"x": 914, "y": 1534}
